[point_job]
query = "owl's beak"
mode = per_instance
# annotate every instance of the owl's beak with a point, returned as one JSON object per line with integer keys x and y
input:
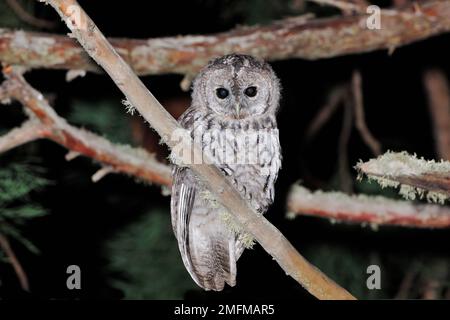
{"x": 238, "y": 110}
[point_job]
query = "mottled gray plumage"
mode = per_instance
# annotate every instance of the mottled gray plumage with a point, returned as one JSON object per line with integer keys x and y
{"x": 232, "y": 115}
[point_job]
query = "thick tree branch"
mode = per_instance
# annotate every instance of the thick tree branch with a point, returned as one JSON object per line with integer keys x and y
{"x": 367, "y": 210}
{"x": 416, "y": 177}
{"x": 47, "y": 124}
{"x": 285, "y": 39}
{"x": 90, "y": 37}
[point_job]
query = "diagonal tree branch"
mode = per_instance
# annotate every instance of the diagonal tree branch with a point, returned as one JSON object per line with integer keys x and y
{"x": 47, "y": 124}
{"x": 270, "y": 238}
{"x": 286, "y": 39}
{"x": 367, "y": 210}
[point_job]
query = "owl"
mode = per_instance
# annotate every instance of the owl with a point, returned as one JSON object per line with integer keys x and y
{"x": 233, "y": 118}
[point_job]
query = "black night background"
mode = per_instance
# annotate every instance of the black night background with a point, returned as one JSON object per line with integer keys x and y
{"x": 118, "y": 229}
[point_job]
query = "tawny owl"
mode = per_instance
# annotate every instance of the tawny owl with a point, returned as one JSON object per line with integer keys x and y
{"x": 232, "y": 116}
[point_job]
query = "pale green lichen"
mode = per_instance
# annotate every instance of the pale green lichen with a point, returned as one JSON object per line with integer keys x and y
{"x": 402, "y": 163}
{"x": 393, "y": 165}
{"x": 210, "y": 198}
{"x": 437, "y": 197}
{"x": 247, "y": 240}
{"x": 166, "y": 191}
{"x": 384, "y": 182}
{"x": 228, "y": 219}
{"x": 291, "y": 215}
{"x": 129, "y": 108}
{"x": 177, "y": 160}
{"x": 407, "y": 192}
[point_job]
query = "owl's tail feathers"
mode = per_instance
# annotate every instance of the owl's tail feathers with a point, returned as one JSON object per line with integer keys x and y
{"x": 208, "y": 248}
{"x": 213, "y": 264}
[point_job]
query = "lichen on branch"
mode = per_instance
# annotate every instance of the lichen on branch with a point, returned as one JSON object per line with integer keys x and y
{"x": 416, "y": 177}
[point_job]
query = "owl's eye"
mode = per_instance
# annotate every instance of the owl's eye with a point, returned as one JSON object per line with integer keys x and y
{"x": 222, "y": 93}
{"x": 250, "y": 91}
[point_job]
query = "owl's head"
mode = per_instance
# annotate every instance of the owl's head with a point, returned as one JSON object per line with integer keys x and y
{"x": 237, "y": 86}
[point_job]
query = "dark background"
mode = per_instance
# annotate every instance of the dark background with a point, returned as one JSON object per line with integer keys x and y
{"x": 87, "y": 224}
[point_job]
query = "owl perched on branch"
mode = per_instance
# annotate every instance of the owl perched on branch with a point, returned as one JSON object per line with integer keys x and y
{"x": 232, "y": 117}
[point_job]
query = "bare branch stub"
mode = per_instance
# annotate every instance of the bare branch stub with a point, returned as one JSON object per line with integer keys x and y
{"x": 367, "y": 210}
{"x": 138, "y": 95}
{"x": 285, "y": 39}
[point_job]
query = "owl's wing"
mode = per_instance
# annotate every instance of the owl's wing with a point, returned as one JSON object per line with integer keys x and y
{"x": 183, "y": 195}
{"x": 207, "y": 246}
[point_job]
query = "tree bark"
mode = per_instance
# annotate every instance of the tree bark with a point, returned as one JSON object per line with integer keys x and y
{"x": 366, "y": 210}
{"x": 286, "y": 39}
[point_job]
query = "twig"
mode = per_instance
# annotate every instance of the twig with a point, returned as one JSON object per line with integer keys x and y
{"x": 360, "y": 121}
{"x": 29, "y": 18}
{"x": 439, "y": 103}
{"x": 416, "y": 177}
{"x": 367, "y": 210}
{"x": 335, "y": 97}
{"x": 265, "y": 233}
{"x": 286, "y": 39}
{"x": 47, "y": 124}
{"x": 21, "y": 275}
{"x": 345, "y": 177}
{"x": 407, "y": 282}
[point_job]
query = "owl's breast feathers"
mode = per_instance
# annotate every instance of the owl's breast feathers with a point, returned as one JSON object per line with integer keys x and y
{"x": 248, "y": 153}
